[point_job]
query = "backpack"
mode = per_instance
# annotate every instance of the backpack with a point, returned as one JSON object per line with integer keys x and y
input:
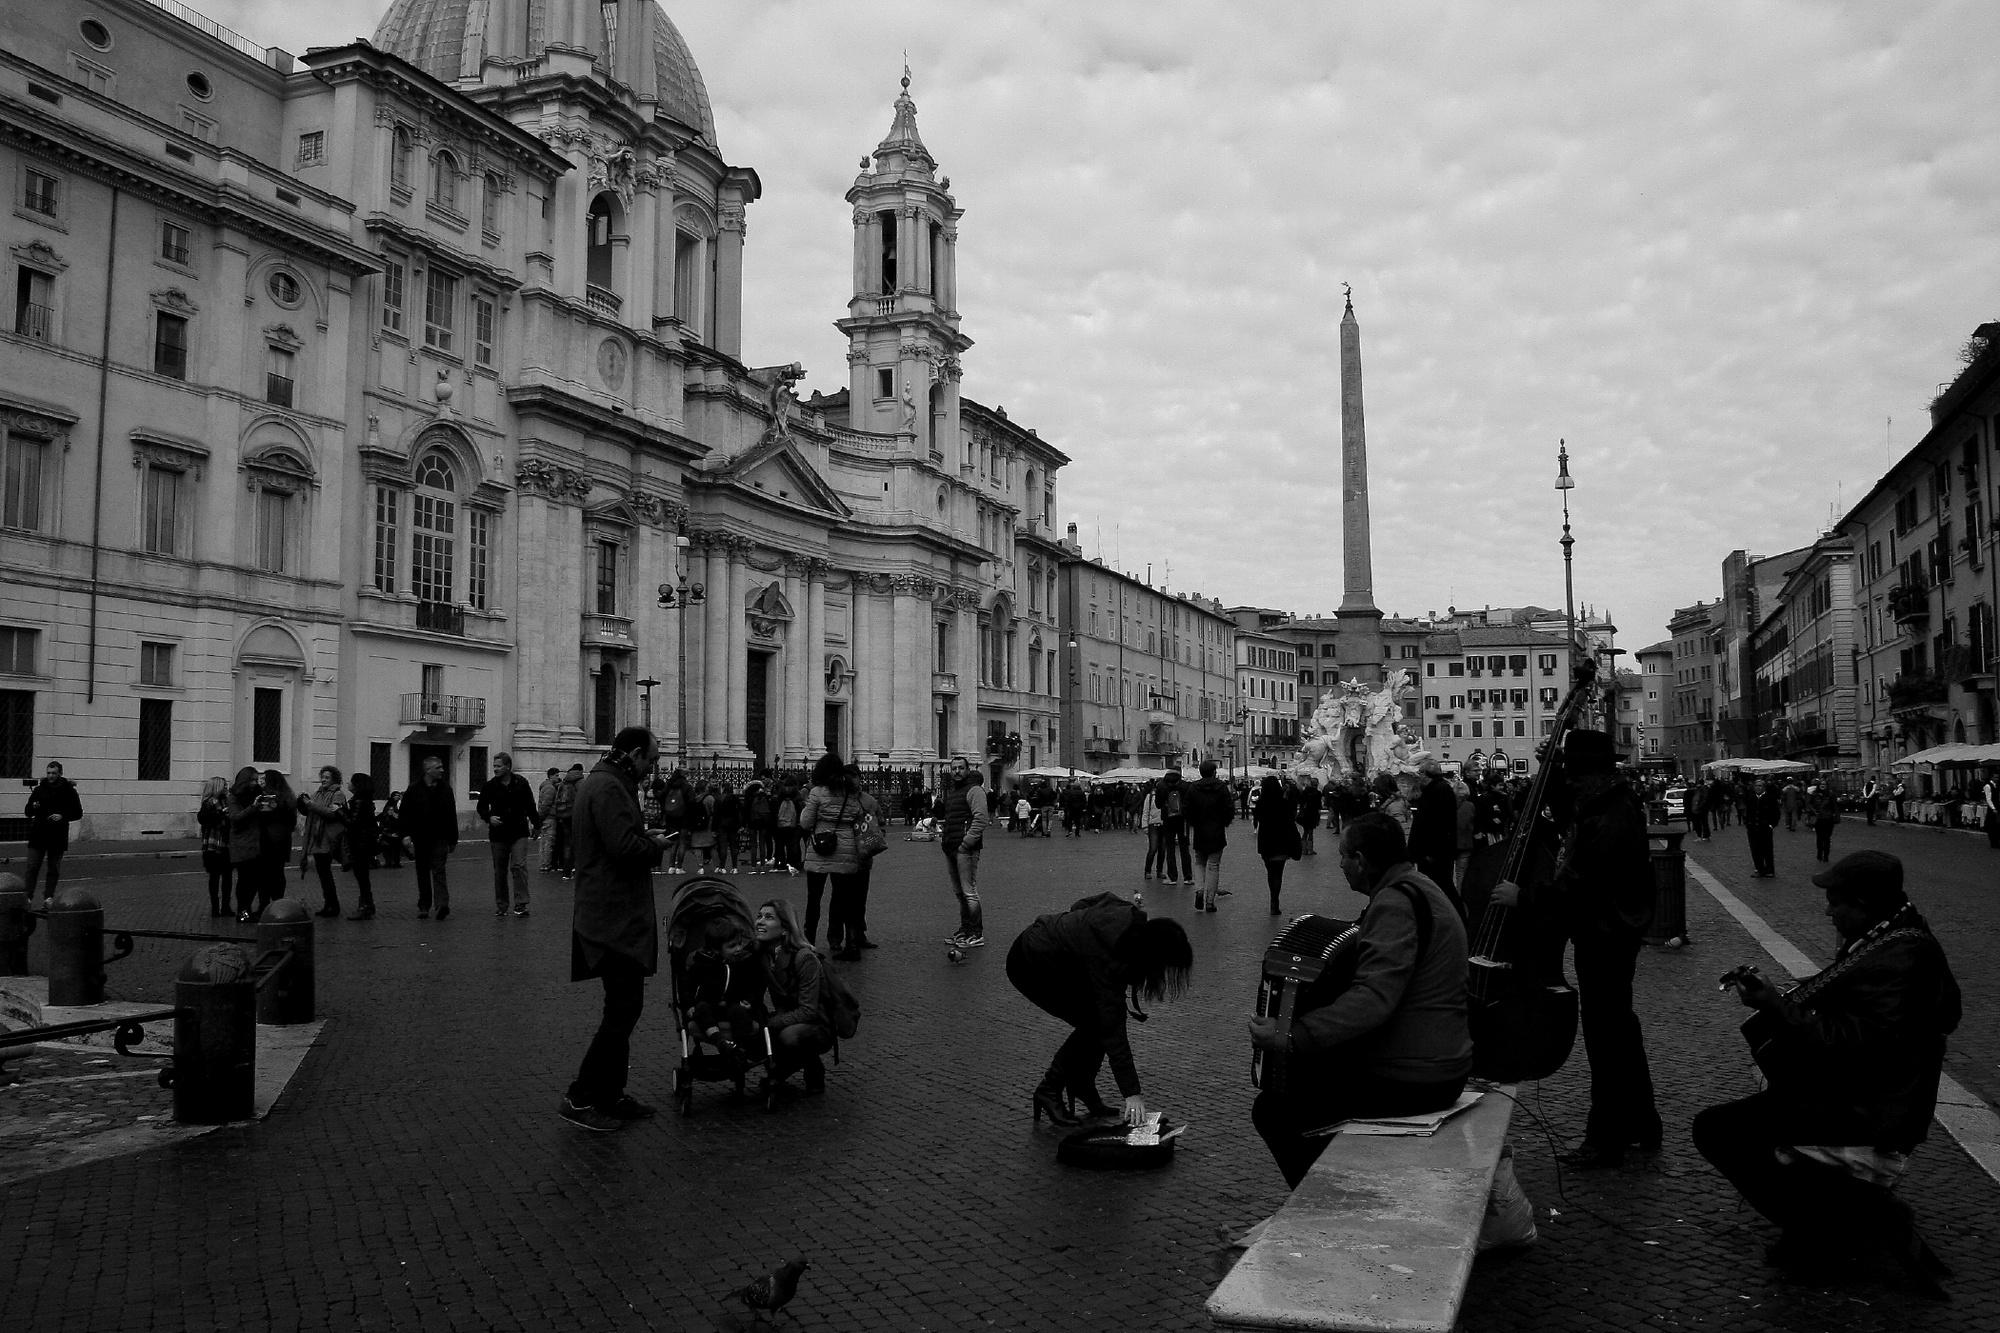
{"x": 676, "y": 802}
{"x": 698, "y": 817}
{"x": 837, "y": 1003}
{"x": 1171, "y": 808}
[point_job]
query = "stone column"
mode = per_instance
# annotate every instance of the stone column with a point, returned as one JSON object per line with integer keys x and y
{"x": 548, "y": 607}
{"x": 869, "y": 661}
{"x": 737, "y": 629}
{"x": 911, "y": 696}
{"x": 797, "y": 659}
{"x": 640, "y": 256}
{"x": 864, "y": 241}
{"x": 715, "y": 650}
{"x": 728, "y": 318}
{"x": 815, "y": 659}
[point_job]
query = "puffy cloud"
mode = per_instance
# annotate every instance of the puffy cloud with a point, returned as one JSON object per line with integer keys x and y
{"x": 1712, "y": 245}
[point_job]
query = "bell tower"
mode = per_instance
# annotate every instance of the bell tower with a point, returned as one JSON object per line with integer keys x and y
{"x": 903, "y": 342}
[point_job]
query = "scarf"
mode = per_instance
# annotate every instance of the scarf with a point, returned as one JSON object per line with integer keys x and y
{"x": 1903, "y": 923}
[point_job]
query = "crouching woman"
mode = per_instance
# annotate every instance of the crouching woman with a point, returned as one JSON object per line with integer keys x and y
{"x": 792, "y": 976}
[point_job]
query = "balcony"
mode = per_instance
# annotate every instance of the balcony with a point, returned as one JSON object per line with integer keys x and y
{"x": 1109, "y": 746}
{"x": 442, "y": 710}
{"x": 1916, "y": 691}
{"x": 885, "y": 305}
{"x": 277, "y": 388}
{"x": 442, "y": 617}
{"x": 1958, "y": 663}
{"x": 32, "y": 320}
{"x": 602, "y": 300}
{"x": 1910, "y": 604}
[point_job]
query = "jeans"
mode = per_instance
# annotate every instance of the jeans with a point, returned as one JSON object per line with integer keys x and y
{"x": 963, "y": 863}
{"x": 565, "y": 853}
{"x": 547, "y": 838}
{"x": 1210, "y": 865}
{"x": 798, "y": 1046}
{"x": 1153, "y": 848}
{"x": 1283, "y": 1119}
{"x": 510, "y": 862}
{"x": 363, "y": 885}
{"x": 1823, "y": 840}
{"x": 246, "y": 886}
{"x": 600, "y": 1079}
{"x": 839, "y": 909}
{"x": 1760, "y": 849}
{"x": 216, "y": 863}
{"x": 1622, "y": 1111}
{"x": 431, "y": 882}
{"x": 329, "y": 892}
{"x": 1174, "y": 841}
{"x": 1061, "y": 987}
{"x": 1274, "y": 878}
{"x": 37, "y": 857}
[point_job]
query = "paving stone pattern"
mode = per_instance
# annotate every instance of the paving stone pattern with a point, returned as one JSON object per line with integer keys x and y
{"x": 415, "y": 1174}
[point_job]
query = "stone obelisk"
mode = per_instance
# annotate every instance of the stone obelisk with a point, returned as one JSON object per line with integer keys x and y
{"x": 1359, "y": 651}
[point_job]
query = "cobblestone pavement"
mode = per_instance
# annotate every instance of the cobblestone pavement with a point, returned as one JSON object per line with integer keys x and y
{"x": 415, "y": 1174}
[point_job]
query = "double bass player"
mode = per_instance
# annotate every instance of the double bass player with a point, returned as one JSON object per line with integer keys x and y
{"x": 1600, "y": 899}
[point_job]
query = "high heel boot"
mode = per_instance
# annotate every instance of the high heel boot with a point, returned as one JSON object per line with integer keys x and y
{"x": 1049, "y": 1100}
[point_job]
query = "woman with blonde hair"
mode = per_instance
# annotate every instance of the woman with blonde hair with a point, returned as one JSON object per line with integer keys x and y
{"x": 212, "y": 818}
{"x": 792, "y": 976}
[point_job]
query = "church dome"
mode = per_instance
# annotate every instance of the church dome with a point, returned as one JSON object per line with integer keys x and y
{"x": 434, "y": 35}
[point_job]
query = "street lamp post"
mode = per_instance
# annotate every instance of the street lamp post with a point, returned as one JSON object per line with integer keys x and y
{"x": 647, "y": 700}
{"x": 677, "y": 597}
{"x": 1565, "y": 484}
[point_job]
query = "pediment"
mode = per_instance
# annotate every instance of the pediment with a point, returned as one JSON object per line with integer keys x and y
{"x": 777, "y": 469}
{"x": 769, "y": 603}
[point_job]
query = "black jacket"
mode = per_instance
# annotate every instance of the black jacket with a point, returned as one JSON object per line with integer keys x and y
{"x": 1434, "y": 832}
{"x": 1762, "y": 811}
{"x": 513, "y": 803}
{"x": 1208, "y": 808}
{"x": 429, "y": 815}
{"x": 52, "y": 796}
{"x": 1277, "y": 827}
{"x": 1085, "y": 939}
{"x": 1869, "y": 1047}
{"x": 1604, "y": 876}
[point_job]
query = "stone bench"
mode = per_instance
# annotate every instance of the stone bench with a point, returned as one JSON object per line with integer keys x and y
{"x": 1380, "y": 1234}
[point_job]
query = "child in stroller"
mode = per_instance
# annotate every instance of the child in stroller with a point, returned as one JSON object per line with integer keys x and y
{"x": 718, "y": 989}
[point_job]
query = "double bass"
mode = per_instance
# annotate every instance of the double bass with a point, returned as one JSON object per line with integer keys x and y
{"x": 1522, "y": 1008}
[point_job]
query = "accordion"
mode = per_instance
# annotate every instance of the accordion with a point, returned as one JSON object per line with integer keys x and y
{"x": 1310, "y": 963}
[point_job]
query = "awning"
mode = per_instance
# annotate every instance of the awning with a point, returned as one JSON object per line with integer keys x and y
{"x": 1952, "y": 756}
{"x": 1757, "y": 767}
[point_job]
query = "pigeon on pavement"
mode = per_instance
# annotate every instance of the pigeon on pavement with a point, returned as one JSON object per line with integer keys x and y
{"x": 775, "y": 1289}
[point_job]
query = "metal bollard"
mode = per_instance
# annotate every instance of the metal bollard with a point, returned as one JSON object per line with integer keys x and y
{"x": 288, "y": 998}
{"x": 1669, "y": 887}
{"x": 215, "y": 1038}
{"x": 15, "y": 926}
{"x": 76, "y": 949}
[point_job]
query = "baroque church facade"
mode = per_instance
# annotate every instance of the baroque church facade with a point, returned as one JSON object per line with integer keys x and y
{"x": 423, "y": 428}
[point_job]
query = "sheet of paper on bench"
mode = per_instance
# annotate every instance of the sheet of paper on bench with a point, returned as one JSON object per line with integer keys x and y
{"x": 1401, "y": 1126}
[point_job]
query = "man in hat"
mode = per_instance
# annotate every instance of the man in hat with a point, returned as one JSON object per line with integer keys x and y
{"x": 1852, "y": 1058}
{"x": 1601, "y": 899}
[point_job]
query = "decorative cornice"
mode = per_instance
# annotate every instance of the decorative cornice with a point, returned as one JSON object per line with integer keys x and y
{"x": 169, "y": 451}
{"x": 39, "y": 254}
{"x": 733, "y": 218}
{"x": 283, "y": 335}
{"x": 175, "y": 299}
{"x": 656, "y": 509}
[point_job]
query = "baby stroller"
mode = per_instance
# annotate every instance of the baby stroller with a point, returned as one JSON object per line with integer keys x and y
{"x": 697, "y": 903}
{"x": 925, "y": 830}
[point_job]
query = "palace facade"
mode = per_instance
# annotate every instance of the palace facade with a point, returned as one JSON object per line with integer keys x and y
{"x": 368, "y": 405}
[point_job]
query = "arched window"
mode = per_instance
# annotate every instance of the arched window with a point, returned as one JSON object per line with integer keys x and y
{"x": 400, "y": 152}
{"x": 444, "y": 181}
{"x": 433, "y": 530}
{"x": 597, "y": 252}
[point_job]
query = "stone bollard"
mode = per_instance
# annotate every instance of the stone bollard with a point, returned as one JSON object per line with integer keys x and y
{"x": 15, "y": 926}
{"x": 215, "y": 1038}
{"x": 76, "y": 949}
{"x": 1669, "y": 887}
{"x": 287, "y": 997}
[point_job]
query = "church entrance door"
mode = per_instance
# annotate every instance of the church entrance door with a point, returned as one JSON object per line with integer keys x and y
{"x": 756, "y": 705}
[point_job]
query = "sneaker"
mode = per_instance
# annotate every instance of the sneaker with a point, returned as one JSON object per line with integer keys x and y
{"x": 974, "y": 942}
{"x": 443, "y": 912}
{"x": 424, "y": 914}
{"x": 501, "y": 910}
{"x": 959, "y": 939}
{"x": 520, "y": 911}
{"x": 627, "y": 1107}
{"x": 587, "y": 1117}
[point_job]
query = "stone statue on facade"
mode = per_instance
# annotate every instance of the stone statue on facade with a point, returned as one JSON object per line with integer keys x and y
{"x": 779, "y": 399}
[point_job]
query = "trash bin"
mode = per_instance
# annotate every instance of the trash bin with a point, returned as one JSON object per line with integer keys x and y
{"x": 1669, "y": 886}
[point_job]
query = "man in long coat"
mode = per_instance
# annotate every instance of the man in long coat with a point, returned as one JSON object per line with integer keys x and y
{"x": 615, "y": 933}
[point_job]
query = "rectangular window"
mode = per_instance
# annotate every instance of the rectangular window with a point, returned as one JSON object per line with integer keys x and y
{"x": 604, "y": 713}
{"x": 170, "y": 345}
{"x": 433, "y": 523}
{"x": 278, "y": 377}
{"x": 173, "y": 242}
{"x": 607, "y": 578}
{"x": 17, "y": 733}
{"x": 943, "y": 646}
{"x": 156, "y": 740}
{"x": 312, "y": 148}
{"x": 440, "y": 295}
{"x": 388, "y": 505}
{"x": 392, "y": 295}
{"x": 475, "y": 768}
{"x": 266, "y": 725}
{"x": 489, "y": 206}
{"x": 431, "y": 674}
{"x": 885, "y": 383}
{"x": 160, "y": 510}
{"x": 21, "y": 482}
{"x": 479, "y": 546}
{"x": 156, "y": 664}
{"x": 34, "y": 305}
{"x": 17, "y": 651}
{"x": 273, "y": 530}
{"x": 687, "y": 263}
{"x": 39, "y": 194}
{"x": 380, "y": 767}
{"x": 482, "y": 331}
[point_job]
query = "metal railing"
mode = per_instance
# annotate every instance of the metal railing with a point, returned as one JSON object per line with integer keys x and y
{"x": 442, "y": 710}
{"x": 212, "y": 28}
{"x": 277, "y": 388}
{"x": 32, "y": 321}
{"x": 443, "y": 617}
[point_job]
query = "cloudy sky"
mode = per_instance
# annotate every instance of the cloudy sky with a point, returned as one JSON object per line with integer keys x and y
{"x": 1727, "y": 250}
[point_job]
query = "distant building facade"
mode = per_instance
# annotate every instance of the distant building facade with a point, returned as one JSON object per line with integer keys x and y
{"x": 1656, "y": 691}
{"x": 1802, "y": 654}
{"x": 1489, "y": 695}
{"x": 1690, "y": 716}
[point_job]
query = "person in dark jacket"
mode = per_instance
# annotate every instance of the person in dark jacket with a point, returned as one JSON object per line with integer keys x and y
{"x": 325, "y": 810}
{"x": 429, "y": 819}
{"x": 361, "y": 832}
{"x": 615, "y": 931}
{"x": 1760, "y": 817}
{"x": 509, "y": 810}
{"x": 1209, "y": 809}
{"x": 1434, "y": 830}
{"x": 1308, "y": 805}
{"x": 1171, "y": 798}
{"x": 793, "y": 976}
{"x": 244, "y": 841}
{"x": 962, "y": 816}
{"x": 1852, "y": 1058}
{"x": 1397, "y": 1040}
{"x": 1601, "y": 899}
{"x": 277, "y": 821}
{"x": 1073, "y": 803}
{"x": 52, "y": 807}
{"x": 1078, "y": 966}
{"x": 1278, "y": 839}
{"x": 1823, "y": 806}
{"x": 213, "y": 819}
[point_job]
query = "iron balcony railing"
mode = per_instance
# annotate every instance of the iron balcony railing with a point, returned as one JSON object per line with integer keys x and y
{"x": 277, "y": 388}
{"x": 441, "y": 616}
{"x": 32, "y": 321}
{"x": 442, "y": 710}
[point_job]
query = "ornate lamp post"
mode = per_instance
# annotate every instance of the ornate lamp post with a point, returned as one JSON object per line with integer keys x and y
{"x": 1566, "y": 484}
{"x": 677, "y": 597}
